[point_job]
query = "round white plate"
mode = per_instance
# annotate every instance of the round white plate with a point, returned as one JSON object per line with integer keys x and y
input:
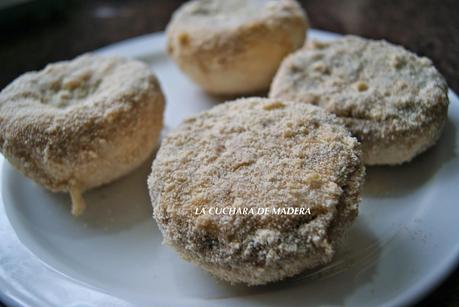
{"x": 403, "y": 243}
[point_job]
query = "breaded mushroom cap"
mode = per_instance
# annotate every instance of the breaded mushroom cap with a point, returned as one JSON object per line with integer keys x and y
{"x": 234, "y": 47}
{"x": 392, "y": 100}
{"x": 79, "y": 124}
{"x": 257, "y": 153}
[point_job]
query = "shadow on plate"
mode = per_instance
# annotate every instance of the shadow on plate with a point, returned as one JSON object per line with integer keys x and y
{"x": 152, "y": 58}
{"x": 120, "y": 204}
{"x": 394, "y": 181}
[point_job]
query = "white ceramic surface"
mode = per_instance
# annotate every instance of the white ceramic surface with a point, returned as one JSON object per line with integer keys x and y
{"x": 404, "y": 242}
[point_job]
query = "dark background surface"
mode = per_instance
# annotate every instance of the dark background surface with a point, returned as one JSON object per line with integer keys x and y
{"x": 58, "y": 30}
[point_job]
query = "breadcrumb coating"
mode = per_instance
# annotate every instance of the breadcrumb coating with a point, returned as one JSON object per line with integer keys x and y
{"x": 234, "y": 47}
{"x": 253, "y": 153}
{"x": 79, "y": 124}
{"x": 393, "y": 101}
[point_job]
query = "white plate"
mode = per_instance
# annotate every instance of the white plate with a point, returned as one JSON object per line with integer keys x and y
{"x": 403, "y": 243}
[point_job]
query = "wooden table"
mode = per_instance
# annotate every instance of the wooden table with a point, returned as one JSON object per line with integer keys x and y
{"x": 427, "y": 27}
